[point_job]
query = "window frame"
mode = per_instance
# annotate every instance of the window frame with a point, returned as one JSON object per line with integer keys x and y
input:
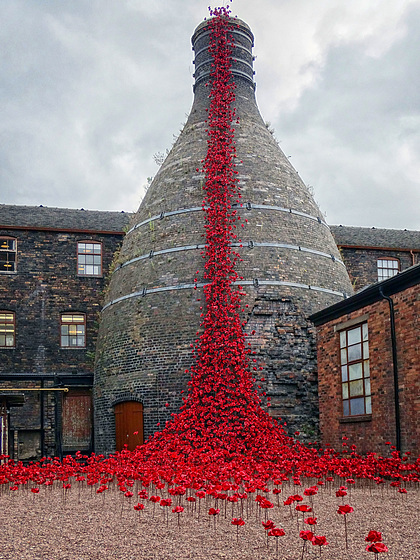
{"x": 13, "y": 322}
{"x": 348, "y": 380}
{"x": 381, "y": 277}
{"x": 80, "y": 254}
{"x": 14, "y": 239}
{"x": 68, "y": 335}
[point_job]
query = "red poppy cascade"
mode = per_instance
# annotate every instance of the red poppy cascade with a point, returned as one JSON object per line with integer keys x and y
{"x": 221, "y": 417}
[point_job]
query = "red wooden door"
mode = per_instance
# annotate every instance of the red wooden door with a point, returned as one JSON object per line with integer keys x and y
{"x": 128, "y": 425}
{"x": 77, "y": 420}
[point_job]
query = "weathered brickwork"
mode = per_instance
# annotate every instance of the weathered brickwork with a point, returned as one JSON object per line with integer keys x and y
{"x": 288, "y": 262}
{"x": 361, "y": 247}
{"x": 45, "y": 285}
{"x": 371, "y": 432}
{"x": 362, "y": 264}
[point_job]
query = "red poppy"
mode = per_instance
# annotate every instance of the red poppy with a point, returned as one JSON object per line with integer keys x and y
{"x": 154, "y": 499}
{"x": 177, "y": 509}
{"x": 276, "y": 532}
{"x": 139, "y": 507}
{"x": 238, "y": 521}
{"x": 310, "y": 520}
{"x": 268, "y": 524}
{"x": 343, "y": 510}
{"x": 319, "y": 540}
{"x": 377, "y": 547}
{"x": 214, "y": 511}
{"x": 303, "y": 508}
{"x": 374, "y": 536}
{"x": 306, "y": 535}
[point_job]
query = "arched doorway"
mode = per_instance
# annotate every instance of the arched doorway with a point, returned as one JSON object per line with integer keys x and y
{"x": 128, "y": 425}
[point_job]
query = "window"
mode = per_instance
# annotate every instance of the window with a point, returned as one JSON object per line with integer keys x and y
{"x": 89, "y": 258}
{"x": 73, "y": 330}
{"x": 7, "y": 254}
{"x": 7, "y": 329}
{"x": 387, "y": 268}
{"x": 355, "y": 375}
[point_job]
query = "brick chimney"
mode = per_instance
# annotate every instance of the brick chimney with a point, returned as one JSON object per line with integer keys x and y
{"x": 291, "y": 268}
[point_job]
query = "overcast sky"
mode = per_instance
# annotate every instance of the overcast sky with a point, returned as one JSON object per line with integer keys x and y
{"x": 90, "y": 90}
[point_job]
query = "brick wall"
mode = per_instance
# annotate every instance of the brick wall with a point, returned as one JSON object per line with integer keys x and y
{"x": 370, "y": 433}
{"x": 362, "y": 263}
{"x": 44, "y": 286}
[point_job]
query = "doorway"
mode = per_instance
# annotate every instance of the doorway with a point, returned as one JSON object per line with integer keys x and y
{"x": 128, "y": 425}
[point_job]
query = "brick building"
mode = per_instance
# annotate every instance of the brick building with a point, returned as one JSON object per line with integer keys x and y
{"x": 368, "y": 366}
{"x": 53, "y": 269}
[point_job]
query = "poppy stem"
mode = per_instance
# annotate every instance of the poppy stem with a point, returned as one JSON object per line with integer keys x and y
{"x": 345, "y": 531}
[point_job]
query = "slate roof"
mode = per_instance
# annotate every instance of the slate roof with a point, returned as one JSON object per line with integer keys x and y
{"x": 376, "y": 237}
{"x": 62, "y": 218}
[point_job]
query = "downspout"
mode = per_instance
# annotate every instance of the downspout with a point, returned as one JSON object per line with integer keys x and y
{"x": 42, "y": 423}
{"x": 395, "y": 368}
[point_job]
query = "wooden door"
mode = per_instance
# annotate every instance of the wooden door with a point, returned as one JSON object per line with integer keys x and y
{"x": 77, "y": 420}
{"x": 128, "y": 425}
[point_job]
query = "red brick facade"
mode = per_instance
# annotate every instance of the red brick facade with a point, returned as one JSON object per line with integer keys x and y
{"x": 370, "y": 432}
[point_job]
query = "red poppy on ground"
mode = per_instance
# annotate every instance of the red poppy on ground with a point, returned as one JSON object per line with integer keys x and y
{"x": 319, "y": 540}
{"x": 374, "y": 536}
{"x": 177, "y": 509}
{"x": 304, "y": 508}
{"x": 306, "y": 535}
{"x": 377, "y": 547}
{"x": 343, "y": 510}
{"x": 310, "y": 520}
{"x": 276, "y": 532}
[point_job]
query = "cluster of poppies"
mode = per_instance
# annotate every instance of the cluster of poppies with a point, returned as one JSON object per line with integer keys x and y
{"x": 221, "y": 419}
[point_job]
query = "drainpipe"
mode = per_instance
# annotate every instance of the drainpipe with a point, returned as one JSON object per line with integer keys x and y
{"x": 395, "y": 368}
{"x": 42, "y": 424}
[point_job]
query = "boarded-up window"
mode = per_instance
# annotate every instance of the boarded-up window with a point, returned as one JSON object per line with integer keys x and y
{"x": 128, "y": 425}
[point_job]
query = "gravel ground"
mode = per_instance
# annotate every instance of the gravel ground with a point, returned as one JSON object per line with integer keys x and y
{"x": 44, "y": 526}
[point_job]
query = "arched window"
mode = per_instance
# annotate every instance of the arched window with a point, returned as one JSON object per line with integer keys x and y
{"x": 7, "y": 254}
{"x": 89, "y": 258}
